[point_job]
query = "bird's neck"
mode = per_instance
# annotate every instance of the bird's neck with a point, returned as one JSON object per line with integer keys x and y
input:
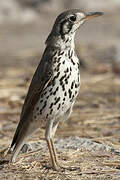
{"x": 62, "y": 43}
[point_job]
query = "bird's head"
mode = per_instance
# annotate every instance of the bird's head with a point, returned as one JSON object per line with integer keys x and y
{"x": 68, "y": 22}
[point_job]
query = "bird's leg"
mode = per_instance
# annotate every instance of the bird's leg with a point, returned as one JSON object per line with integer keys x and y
{"x": 54, "y": 127}
{"x": 51, "y": 154}
{"x": 54, "y": 151}
{"x": 48, "y": 135}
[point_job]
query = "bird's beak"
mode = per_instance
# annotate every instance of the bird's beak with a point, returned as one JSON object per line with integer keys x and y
{"x": 92, "y": 15}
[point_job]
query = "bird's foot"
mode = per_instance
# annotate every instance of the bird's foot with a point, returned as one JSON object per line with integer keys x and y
{"x": 63, "y": 168}
{"x": 55, "y": 168}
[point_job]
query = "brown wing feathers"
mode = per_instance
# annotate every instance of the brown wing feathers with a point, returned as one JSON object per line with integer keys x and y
{"x": 41, "y": 78}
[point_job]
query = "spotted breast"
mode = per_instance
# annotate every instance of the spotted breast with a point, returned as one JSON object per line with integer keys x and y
{"x": 59, "y": 95}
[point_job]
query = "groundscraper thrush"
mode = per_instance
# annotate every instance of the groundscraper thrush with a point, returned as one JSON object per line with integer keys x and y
{"x": 55, "y": 84}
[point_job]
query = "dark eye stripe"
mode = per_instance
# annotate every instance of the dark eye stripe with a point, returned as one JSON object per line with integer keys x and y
{"x": 61, "y": 27}
{"x": 64, "y": 30}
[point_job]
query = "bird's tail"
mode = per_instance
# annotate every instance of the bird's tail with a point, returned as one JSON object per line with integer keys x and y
{"x": 17, "y": 143}
{"x": 24, "y": 130}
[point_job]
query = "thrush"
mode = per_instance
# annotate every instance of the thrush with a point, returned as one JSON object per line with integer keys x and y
{"x": 55, "y": 84}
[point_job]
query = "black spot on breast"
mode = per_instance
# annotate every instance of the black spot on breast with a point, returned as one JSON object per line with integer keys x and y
{"x": 69, "y": 75}
{"x": 67, "y": 40}
{"x": 78, "y": 65}
{"x": 67, "y": 78}
{"x": 45, "y": 103}
{"x": 75, "y": 92}
{"x": 57, "y": 75}
{"x": 66, "y": 81}
{"x": 58, "y": 67}
{"x": 47, "y": 97}
{"x": 62, "y": 78}
{"x": 54, "y": 54}
{"x": 69, "y": 53}
{"x": 51, "y": 105}
{"x": 50, "y": 89}
{"x": 78, "y": 79}
{"x": 66, "y": 71}
{"x": 65, "y": 94}
{"x": 41, "y": 111}
{"x": 61, "y": 83}
{"x": 58, "y": 60}
{"x": 41, "y": 100}
{"x": 57, "y": 100}
{"x": 72, "y": 61}
{"x": 63, "y": 87}
{"x": 60, "y": 53}
{"x": 76, "y": 85}
{"x": 51, "y": 93}
{"x": 54, "y": 93}
{"x": 63, "y": 62}
{"x": 45, "y": 93}
{"x": 51, "y": 111}
{"x": 55, "y": 60}
{"x": 72, "y": 84}
{"x": 49, "y": 84}
{"x": 58, "y": 106}
{"x": 70, "y": 93}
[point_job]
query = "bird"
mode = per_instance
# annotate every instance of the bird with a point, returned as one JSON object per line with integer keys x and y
{"x": 55, "y": 84}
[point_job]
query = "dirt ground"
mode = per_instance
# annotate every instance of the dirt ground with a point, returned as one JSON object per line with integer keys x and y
{"x": 96, "y": 114}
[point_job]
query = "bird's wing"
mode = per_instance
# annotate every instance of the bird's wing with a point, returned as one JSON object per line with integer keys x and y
{"x": 41, "y": 78}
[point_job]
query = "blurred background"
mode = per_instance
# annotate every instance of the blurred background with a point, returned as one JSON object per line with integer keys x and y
{"x": 24, "y": 27}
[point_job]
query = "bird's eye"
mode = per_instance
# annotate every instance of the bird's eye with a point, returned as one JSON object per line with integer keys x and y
{"x": 72, "y": 18}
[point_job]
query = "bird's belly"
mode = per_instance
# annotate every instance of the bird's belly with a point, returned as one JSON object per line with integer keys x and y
{"x": 59, "y": 96}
